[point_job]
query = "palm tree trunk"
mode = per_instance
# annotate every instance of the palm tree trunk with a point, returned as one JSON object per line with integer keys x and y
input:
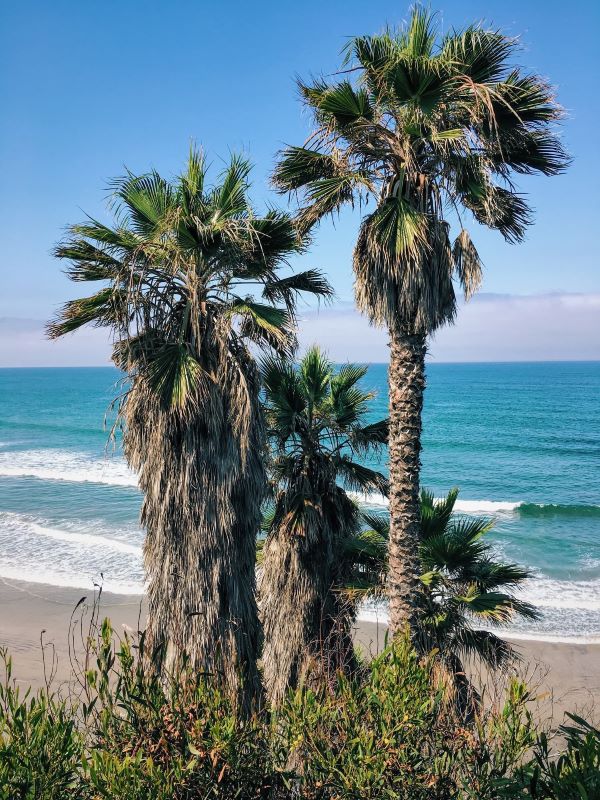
{"x": 406, "y": 384}
{"x": 307, "y": 638}
{"x": 203, "y": 491}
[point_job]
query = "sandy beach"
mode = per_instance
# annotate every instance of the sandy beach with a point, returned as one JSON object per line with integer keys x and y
{"x": 565, "y": 676}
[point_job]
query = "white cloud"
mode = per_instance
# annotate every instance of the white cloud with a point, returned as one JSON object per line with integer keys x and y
{"x": 488, "y": 328}
{"x": 23, "y": 343}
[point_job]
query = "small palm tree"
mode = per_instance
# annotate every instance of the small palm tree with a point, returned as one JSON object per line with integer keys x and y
{"x": 432, "y": 131}
{"x": 464, "y": 586}
{"x": 316, "y": 419}
{"x": 178, "y": 268}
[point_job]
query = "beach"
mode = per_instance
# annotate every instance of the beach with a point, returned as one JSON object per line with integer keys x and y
{"x": 565, "y": 676}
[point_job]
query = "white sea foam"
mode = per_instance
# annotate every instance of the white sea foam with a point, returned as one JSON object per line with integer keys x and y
{"x": 51, "y": 577}
{"x": 461, "y": 506}
{"x": 550, "y": 593}
{"x": 63, "y": 465}
{"x": 87, "y": 539}
{"x": 73, "y": 553}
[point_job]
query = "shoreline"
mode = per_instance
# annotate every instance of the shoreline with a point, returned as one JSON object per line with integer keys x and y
{"x": 367, "y": 617}
{"x": 565, "y": 676}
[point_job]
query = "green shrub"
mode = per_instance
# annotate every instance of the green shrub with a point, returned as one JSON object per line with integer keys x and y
{"x": 184, "y": 741}
{"x": 40, "y": 747}
{"x": 575, "y": 773}
{"x": 396, "y": 735}
{"x": 390, "y": 732}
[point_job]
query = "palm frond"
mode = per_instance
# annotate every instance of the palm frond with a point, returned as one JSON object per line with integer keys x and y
{"x": 494, "y": 651}
{"x": 467, "y": 263}
{"x": 310, "y": 281}
{"x": 173, "y": 374}
{"x": 106, "y": 308}
{"x": 358, "y": 478}
{"x": 299, "y": 166}
{"x": 479, "y": 54}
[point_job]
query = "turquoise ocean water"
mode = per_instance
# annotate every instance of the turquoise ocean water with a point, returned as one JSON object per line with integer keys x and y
{"x": 522, "y": 441}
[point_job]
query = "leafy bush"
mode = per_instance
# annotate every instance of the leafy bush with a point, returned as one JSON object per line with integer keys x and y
{"x": 40, "y": 746}
{"x": 395, "y": 735}
{"x": 390, "y": 732}
{"x": 177, "y": 742}
{"x": 575, "y": 773}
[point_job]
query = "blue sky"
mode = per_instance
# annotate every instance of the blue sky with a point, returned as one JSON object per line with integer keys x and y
{"x": 87, "y": 88}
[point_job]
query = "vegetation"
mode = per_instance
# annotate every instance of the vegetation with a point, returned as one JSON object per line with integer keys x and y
{"x": 433, "y": 131}
{"x": 464, "y": 586}
{"x": 177, "y": 268}
{"x": 387, "y": 732}
{"x": 316, "y": 423}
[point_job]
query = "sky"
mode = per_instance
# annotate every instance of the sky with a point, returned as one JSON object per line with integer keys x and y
{"x": 89, "y": 89}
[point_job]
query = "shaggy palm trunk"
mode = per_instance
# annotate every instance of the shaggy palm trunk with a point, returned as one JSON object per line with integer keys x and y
{"x": 406, "y": 383}
{"x": 307, "y": 634}
{"x": 203, "y": 488}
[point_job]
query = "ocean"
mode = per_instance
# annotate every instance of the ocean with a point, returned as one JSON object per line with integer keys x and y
{"x": 521, "y": 441}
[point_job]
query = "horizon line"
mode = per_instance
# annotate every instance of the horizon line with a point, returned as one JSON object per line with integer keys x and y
{"x": 369, "y": 363}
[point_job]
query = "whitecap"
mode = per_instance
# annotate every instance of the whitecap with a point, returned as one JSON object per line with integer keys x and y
{"x": 461, "y": 506}
{"x": 64, "y": 465}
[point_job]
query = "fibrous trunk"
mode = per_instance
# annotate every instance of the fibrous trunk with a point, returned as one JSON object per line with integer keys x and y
{"x": 306, "y": 619}
{"x": 406, "y": 384}
{"x": 203, "y": 482}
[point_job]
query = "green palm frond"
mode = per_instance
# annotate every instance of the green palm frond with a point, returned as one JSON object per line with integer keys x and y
{"x": 230, "y": 198}
{"x": 358, "y": 478}
{"x": 491, "y": 649}
{"x": 436, "y": 514}
{"x": 174, "y": 374}
{"x": 175, "y": 264}
{"x": 315, "y": 374}
{"x": 378, "y": 522}
{"x": 192, "y": 180}
{"x": 298, "y": 166}
{"x": 369, "y": 437}
{"x": 286, "y": 289}
{"x": 118, "y": 238}
{"x": 463, "y": 583}
{"x": 345, "y": 104}
{"x": 481, "y": 55}
{"x": 420, "y": 123}
{"x": 273, "y": 320}
{"x": 275, "y": 240}
{"x": 145, "y": 201}
{"x": 105, "y": 308}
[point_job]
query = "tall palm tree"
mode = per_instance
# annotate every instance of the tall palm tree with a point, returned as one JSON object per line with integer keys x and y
{"x": 177, "y": 269}
{"x": 432, "y": 131}
{"x": 317, "y": 425}
{"x": 464, "y": 585}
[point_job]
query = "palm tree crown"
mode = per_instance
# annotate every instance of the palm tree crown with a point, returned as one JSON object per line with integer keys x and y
{"x": 465, "y": 586}
{"x": 429, "y": 128}
{"x": 178, "y": 266}
{"x": 317, "y": 426}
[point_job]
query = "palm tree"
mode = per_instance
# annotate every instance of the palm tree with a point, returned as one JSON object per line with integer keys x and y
{"x": 464, "y": 585}
{"x": 316, "y": 419}
{"x": 432, "y": 131}
{"x": 177, "y": 270}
